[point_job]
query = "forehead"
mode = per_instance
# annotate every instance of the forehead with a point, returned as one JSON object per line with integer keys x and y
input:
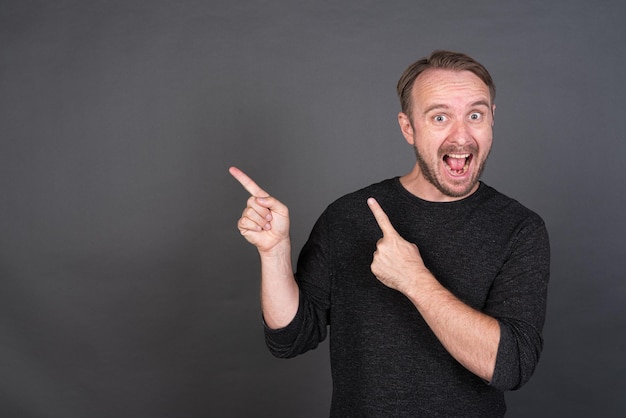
{"x": 435, "y": 86}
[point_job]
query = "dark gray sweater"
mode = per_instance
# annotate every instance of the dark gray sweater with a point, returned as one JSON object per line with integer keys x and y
{"x": 487, "y": 249}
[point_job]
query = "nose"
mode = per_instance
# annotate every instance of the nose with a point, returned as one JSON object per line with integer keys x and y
{"x": 460, "y": 133}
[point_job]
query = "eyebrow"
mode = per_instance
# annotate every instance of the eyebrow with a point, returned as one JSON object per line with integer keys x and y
{"x": 437, "y": 106}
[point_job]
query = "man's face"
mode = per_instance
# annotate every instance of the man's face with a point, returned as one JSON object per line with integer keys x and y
{"x": 451, "y": 129}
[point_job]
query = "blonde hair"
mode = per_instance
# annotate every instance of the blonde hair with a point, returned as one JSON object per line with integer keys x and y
{"x": 446, "y": 60}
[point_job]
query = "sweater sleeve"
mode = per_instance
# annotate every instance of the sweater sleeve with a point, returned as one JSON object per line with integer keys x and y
{"x": 518, "y": 301}
{"x": 309, "y": 326}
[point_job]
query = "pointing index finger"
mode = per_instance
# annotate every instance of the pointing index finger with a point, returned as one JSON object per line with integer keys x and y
{"x": 381, "y": 217}
{"x": 247, "y": 183}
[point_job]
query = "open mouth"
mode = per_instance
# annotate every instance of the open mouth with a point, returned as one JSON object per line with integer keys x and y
{"x": 457, "y": 164}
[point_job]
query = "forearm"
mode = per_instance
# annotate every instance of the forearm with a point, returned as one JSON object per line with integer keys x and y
{"x": 470, "y": 336}
{"x": 279, "y": 290}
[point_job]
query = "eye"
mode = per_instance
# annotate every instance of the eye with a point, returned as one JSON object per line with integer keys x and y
{"x": 440, "y": 118}
{"x": 476, "y": 116}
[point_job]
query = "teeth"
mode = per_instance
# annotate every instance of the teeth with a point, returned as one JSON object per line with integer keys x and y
{"x": 465, "y": 167}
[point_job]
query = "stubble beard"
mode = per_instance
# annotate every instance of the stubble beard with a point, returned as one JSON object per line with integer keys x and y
{"x": 429, "y": 171}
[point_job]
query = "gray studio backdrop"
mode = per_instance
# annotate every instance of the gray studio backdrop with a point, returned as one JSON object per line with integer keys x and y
{"x": 125, "y": 288}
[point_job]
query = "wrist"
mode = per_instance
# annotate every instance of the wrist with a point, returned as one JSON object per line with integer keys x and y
{"x": 422, "y": 287}
{"x": 280, "y": 250}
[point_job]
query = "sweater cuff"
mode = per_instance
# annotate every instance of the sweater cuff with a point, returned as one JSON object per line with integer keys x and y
{"x": 506, "y": 372}
{"x": 281, "y": 340}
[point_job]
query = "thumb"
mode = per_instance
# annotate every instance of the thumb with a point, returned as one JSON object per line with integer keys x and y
{"x": 381, "y": 217}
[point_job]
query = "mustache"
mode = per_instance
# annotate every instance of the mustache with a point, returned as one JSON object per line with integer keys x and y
{"x": 469, "y": 149}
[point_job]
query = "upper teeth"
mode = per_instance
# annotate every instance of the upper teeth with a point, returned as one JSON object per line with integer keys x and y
{"x": 458, "y": 155}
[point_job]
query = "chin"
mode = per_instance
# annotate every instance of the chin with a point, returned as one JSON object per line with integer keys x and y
{"x": 459, "y": 190}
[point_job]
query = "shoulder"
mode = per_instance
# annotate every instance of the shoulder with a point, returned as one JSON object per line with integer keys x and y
{"x": 352, "y": 209}
{"x": 502, "y": 209}
{"x": 358, "y": 198}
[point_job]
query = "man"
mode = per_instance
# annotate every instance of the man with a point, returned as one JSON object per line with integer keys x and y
{"x": 433, "y": 284}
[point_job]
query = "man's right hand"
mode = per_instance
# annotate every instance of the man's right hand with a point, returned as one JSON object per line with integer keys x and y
{"x": 265, "y": 220}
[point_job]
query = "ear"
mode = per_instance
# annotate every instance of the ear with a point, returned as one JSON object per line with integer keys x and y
{"x": 406, "y": 127}
{"x": 493, "y": 114}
